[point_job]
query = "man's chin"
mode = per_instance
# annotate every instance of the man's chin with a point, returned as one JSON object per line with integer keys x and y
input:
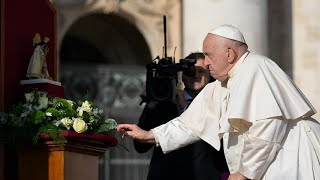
{"x": 197, "y": 87}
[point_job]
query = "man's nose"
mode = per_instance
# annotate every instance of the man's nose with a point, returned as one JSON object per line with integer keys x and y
{"x": 206, "y": 61}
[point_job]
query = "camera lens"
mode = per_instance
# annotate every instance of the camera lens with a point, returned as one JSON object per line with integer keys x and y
{"x": 162, "y": 89}
{"x": 190, "y": 71}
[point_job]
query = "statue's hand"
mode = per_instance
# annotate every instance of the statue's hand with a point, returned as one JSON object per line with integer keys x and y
{"x": 46, "y": 50}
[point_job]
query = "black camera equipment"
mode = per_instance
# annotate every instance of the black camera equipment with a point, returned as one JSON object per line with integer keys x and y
{"x": 162, "y": 75}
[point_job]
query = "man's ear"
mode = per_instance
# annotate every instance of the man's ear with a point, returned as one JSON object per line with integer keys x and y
{"x": 232, "y": 55}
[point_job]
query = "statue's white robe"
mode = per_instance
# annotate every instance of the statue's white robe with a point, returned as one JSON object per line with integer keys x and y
{"x": 264, "y": 119}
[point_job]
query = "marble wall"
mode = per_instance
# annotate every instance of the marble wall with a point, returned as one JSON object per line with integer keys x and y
{"x": 306, "y": 45}
{"x": 250, "y": 16}
{"x": 286, "y": 31}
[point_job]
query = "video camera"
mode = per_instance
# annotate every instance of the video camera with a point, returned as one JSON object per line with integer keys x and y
{"x": 162, "y": 76}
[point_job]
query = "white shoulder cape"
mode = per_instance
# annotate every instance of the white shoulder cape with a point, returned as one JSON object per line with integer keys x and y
{"x": 260, "y": 90}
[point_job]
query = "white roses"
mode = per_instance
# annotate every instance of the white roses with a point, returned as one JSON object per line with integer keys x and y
{"x": 29, "y": 97}
{"x": 42, "y": 100}
{"x": 43, "y": 114}
{"x": 79, "y": 125}
{"x": 43, "y": 103}
{"x": 84, "y": 107}
{"x": 66, "y": 122}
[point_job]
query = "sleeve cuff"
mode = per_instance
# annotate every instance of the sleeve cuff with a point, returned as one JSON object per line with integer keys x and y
{"x": 156, "y": 138}
{"x": 256, "y": 157}
{"x": 173, "y": 135}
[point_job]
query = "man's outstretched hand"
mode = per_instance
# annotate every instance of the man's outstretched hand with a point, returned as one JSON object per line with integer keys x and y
{"x": 135, "y": 132}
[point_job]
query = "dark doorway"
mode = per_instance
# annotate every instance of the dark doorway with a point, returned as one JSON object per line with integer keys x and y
{"x": 103, "y": 57}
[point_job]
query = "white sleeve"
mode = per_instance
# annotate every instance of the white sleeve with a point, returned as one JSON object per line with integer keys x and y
{"x": 261, "y": 144}
{"x": 173, "y": 135}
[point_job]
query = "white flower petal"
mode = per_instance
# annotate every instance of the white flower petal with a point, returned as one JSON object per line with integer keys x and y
{"x": 79, "y": 125}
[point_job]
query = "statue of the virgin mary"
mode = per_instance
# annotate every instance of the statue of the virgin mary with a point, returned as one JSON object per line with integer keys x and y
{"x": 38, "y": 65}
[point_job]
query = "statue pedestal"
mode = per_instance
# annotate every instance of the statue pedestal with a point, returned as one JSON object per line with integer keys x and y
{"x": 53, "y": 88}
{"x": 78, "y": 159}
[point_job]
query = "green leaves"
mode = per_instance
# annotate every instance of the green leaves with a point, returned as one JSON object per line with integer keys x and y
{"x": 108, "y": 125}
{"x": 62, "y": 104}
{"x": 54, "y": 112}
{"x": 38, "y": 117}
{"x": 111, "y": 122}
{"x": 17, "y": 109}
{"x": 41, "y": 114}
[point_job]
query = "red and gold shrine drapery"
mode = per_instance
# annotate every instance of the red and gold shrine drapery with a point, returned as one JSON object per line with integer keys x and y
{"x": 20, "y": 20}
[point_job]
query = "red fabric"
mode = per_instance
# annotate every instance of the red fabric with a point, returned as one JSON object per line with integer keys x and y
{"x": 108, "y": 140}
{"x": 53, "y": 90}
{"x": 22, "y": 19}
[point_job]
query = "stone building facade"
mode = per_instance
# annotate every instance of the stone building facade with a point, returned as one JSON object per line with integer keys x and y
{"x": 104, "y": 45}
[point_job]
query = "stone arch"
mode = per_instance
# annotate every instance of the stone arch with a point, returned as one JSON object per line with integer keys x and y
{"x": 104, "y": 38}
{"x": 98, "y": 54}
{"x": 145, "y": 15}
{"x": 103, "y": 57}
{"x": 118, "y": 78}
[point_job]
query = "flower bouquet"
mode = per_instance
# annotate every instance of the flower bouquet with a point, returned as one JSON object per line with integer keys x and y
{"x": 42, "y": 116}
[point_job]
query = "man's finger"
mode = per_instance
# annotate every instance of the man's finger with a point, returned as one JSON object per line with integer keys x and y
{"x": 122, "y": 127}
{"x": 126, "y": 134}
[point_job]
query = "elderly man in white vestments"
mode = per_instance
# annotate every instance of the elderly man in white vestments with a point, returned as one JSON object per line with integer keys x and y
{"x": 264, "y": 119}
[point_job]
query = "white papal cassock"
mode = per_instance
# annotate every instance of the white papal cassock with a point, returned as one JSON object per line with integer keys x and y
{"x": 264, "y": 119}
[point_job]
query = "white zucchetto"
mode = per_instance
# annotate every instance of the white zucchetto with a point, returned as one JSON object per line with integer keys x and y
{"x": 229, "y": 32}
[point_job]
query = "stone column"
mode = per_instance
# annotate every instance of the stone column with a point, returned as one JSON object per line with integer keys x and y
{"x": 250, "y": 17}
{"x": 306, "y": 48}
